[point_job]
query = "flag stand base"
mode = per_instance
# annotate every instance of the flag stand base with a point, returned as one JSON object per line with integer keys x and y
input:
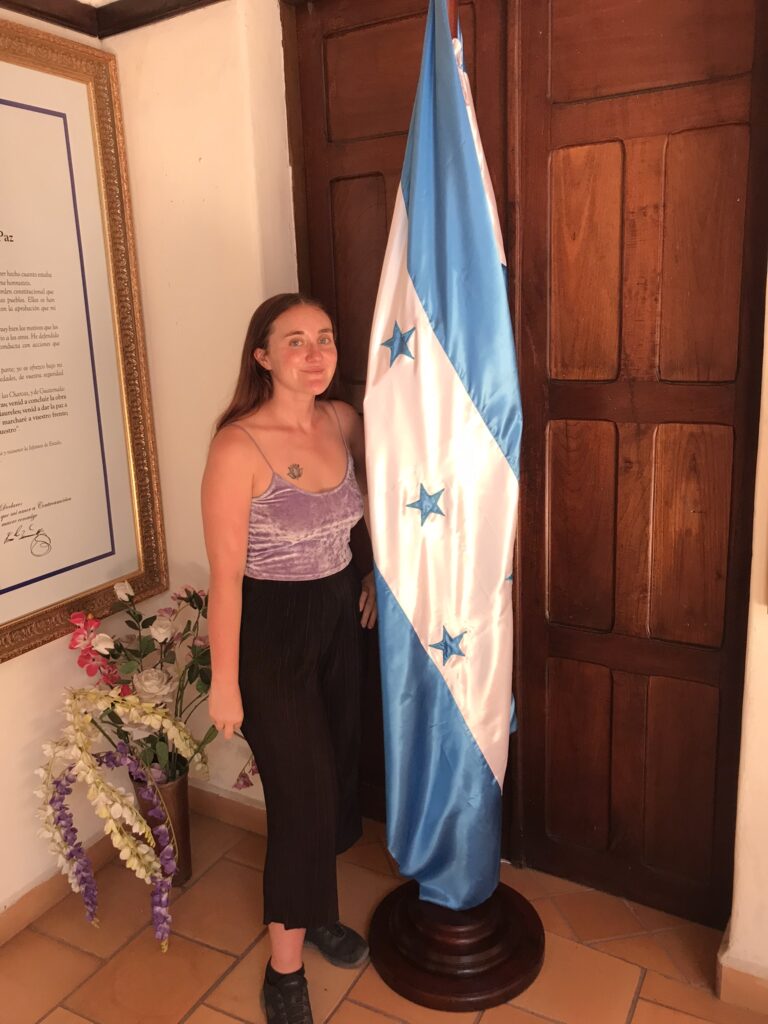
{"x": 456, "y": 959}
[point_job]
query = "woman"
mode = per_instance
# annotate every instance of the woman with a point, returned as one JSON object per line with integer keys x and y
{"x": 283, "y": 486}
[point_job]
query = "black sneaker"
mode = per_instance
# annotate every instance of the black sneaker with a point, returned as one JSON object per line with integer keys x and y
{"x": 340, "y": 946}
{"x": 287, "y": 1000}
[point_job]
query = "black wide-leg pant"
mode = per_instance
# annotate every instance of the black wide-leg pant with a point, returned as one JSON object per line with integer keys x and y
{"x": 300, "y": 670}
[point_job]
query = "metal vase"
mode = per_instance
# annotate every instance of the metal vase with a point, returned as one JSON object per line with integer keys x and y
{"x": 175, "y": 798}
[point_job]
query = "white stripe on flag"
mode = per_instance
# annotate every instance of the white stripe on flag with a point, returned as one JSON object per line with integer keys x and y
{"x": 428, "y": 432}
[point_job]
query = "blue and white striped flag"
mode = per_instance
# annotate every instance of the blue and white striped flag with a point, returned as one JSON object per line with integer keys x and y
{"x": 443, "y": 424}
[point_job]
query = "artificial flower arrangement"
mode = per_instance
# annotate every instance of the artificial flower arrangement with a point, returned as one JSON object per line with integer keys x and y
{"x": 146, "y": 686}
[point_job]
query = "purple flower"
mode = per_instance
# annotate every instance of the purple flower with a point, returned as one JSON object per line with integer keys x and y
{"x": 82, "y": 868}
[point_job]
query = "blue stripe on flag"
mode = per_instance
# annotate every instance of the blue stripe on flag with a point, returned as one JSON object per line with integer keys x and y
{"x": 452, "y": 252}
{"x": 439, "y": 785}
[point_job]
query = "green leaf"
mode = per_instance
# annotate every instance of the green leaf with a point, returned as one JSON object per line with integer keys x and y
{"x": 211, "y": 735}
{"x": 113, "y": 716}
{"x": 146, "y": 623}
{"x": 196, "y": 601}
{"x": 133, "y": 625}
{"x": 147, "y": 756}
{"x": 205, "y": 675}
{"x": 170, "y": 657}
{"x": 128, "y": 668}
{"x": 194, "y": 672}
{"x": 161, "y": 752}
{"x": 146, "y": 646}
{"x": 201, "y": 686}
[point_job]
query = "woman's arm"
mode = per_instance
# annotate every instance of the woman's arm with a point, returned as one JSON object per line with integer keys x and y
{"x": 352, "y": 426}
{"x": 226, "y": 496}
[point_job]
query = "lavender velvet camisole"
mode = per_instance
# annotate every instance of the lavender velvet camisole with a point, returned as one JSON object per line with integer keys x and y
{"x": 301, "y": 535}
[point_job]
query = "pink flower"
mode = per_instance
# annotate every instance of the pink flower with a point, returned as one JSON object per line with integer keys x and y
{"x": 125, "y": 690}
{"x": 242, "y": 781}
{"x": 86, "y": 629}
{"x": 91, "y": 661}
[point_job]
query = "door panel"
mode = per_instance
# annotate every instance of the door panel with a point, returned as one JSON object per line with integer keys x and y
{"x": 582, "y": 488}
{"x": 704, "y": 199}
{"x": 603, "y": 47}
{"x": 636, "y": 275}
{"x": 585, "y": 262}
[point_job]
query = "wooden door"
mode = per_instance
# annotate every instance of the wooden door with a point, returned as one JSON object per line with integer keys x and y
{"x": 352, "y": 70}
{"x": 640, "y": 288}
{"x": 627, "y": 153}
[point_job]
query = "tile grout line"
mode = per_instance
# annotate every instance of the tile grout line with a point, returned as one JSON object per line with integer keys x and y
{"x": 103, "y": 961}
{"x": 636, "y": 996}
{"x": 379, "y": 1013}
{"x": 235, "y": 963}
{"x": 355, "y": 980}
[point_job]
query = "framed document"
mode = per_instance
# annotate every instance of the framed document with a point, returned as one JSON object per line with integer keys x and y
{"x": 79, "y": 494}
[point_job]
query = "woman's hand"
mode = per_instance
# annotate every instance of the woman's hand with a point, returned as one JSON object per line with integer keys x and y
{"x": 368, "y": 602}
{"x": 226, "y": 710}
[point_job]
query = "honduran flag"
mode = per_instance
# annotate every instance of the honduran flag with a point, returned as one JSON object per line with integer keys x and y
{"x": 443, "y": 424}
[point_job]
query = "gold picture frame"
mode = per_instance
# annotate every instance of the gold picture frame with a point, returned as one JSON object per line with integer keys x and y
{"x": 50, "y": 88}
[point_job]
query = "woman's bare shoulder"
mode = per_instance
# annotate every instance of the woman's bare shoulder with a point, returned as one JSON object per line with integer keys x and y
{"x": 348, "y": 415}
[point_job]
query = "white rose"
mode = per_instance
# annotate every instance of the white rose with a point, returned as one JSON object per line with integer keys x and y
{"x": 161, "y": 629}
{"x": 153, "y": 684}
{"x": 103, "y": 643}
{"x": 123, "y": 591}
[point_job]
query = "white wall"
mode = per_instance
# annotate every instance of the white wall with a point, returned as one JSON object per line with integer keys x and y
{"x": 204, "y": 106}
{"x": 747, "y": 948}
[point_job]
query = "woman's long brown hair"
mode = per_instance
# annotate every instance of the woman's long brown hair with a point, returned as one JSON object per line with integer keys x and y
{"x": 254, "y": 383}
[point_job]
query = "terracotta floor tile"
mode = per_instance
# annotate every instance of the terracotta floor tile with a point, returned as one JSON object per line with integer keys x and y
{"x": 360, "y": 892}
{"x": 699, "y": 1002}
{"x": 251, "y": 851}
{"x": 206, "y": 1015}
{"x": 596, "y": 915}
{"x": 552, "y": 919}
{"x": 511, "y": 1015}
{"x": 371, "y": 991}
{"x": 643, "y": 950}
{"x": 524, "y": 881}
{"x": 224, "y": 909}
{"x": 239, "y": 993}
{"x": 579, "y": 985}
{"x": 652, "y": 1013}
{"x": 553, "y": 885}
{"x": 36, "y": 973}
{"x": 211, "y": 839}
{"x": 693, "y": 947}
{"x": 354, "y": 1013}
{"x": 652, "y": 919}
{"x": 62, "y": 1016}
{"x": 124, "y": 909}
{"x": 141, "y": 985}
{"x": 369, "y": 855}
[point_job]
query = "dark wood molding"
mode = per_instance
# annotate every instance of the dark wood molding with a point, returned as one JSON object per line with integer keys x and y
{"x": 65, "y": 13}
{"x": 102, "y": 22}
{"x": 124, "y": 15}
{"x": 296, "y": 143}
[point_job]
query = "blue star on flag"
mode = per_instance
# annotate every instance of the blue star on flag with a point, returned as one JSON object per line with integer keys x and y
{"x": 449, "y": 645}
{"x": 398, "y": 343}
{"x": 427, "y": 503}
